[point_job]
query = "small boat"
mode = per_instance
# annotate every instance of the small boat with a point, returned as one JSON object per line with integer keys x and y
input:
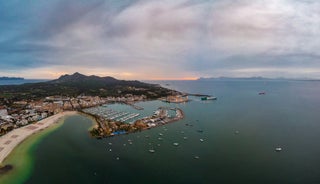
{"x": 160, "y": 139}
{"x": 262, "y": 93}
{"x": 278, "y": 149}
{"x": 236, "y": 132}
{"x": 176, "y": 144}
{"x": 196, "y": 157}
{"x": 118, "y": 158}
{"x": 152, "y": 150}
{"x": 110, "y": 143}
{"x": 185, "y": 138}
{"x": 160, "y": 134}
{"x": 209, "y": 98}
{"x": 200, "y": 131}
{"x": 201, "y": 140}
{"x": 110, "y": 150}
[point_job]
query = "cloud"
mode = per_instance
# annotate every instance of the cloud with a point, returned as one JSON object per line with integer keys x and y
{"x": 161, "y": 39}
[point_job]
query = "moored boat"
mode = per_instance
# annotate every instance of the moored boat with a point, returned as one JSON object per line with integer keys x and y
{"x": 209, "y": 98}
{"x": 278, "y": 149}
{"x": 262, "y": 93}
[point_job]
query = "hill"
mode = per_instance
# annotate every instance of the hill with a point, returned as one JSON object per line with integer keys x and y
{"x": 79, "y": 84}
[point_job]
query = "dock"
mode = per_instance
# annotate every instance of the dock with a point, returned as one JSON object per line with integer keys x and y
{"x": 134, "y": 106}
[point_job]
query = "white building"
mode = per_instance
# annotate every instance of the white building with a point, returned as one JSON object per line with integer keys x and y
{"x": 3, "y": 112}
{"x": 22, "y": 122}
{"x": 44, "y": 115}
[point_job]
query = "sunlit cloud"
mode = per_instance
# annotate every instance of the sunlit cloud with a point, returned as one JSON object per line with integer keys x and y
{"x": 149, "y": 39}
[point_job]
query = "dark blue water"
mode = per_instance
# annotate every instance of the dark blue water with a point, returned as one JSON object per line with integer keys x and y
{"x": 287, "y": 116}
{"x": 18, "y": 82}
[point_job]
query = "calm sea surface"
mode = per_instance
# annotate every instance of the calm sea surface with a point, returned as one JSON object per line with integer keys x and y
{"x": 287, "y": 116}
{"x": 18, "y": 82}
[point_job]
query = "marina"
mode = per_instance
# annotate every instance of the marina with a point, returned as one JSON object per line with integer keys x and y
{"x": 117, "y": 121}
{"x": 110, "y": 114}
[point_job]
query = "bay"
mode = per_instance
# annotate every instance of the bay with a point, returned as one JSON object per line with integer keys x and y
{"x": 287, "y": 116}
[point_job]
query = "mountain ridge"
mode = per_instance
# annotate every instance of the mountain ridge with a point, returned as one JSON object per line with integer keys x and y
{"x": 79, "y": 84}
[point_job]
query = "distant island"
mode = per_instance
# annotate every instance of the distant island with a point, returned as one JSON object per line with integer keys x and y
{"x": 252, "y": 79}
{"x": 231, "y": 78}
{"x": 11, "y": 78}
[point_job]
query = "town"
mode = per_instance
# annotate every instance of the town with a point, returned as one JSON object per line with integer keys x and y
{"x": 22, "y": 113}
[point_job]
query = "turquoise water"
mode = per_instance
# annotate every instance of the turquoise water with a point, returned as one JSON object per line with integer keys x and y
{"x": 287, "y": 116}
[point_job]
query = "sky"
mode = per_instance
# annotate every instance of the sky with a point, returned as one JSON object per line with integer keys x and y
{"x": 167, "y": 39}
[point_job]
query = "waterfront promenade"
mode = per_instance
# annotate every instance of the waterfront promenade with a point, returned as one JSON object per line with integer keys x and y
{"x": 10, "y": 140}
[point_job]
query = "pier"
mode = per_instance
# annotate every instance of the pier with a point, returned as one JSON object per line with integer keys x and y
{"x": 198, "y": 95}
{"x": 175, "y": 99}
{"x": 134, "y": 105}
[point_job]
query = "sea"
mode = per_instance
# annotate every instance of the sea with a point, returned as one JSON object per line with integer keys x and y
{"x": 18, "y": 82}
{"x": 239, "y": 131}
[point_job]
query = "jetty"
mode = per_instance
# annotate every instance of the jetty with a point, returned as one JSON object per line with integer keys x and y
{"x": 175, "y": 99}
{"x": 134, "y": 105}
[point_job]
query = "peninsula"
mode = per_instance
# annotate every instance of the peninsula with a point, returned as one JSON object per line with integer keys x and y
{"x": 28, "y": 108}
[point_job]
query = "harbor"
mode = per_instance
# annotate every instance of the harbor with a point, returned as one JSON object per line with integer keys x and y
{"x": 110, "y": 114}
{"x": 117, "y": 121}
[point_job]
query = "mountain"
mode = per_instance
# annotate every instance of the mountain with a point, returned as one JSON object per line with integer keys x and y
{"x": 78, "y": 77}
{"x": 77, "y": 84}
{"x": 232, "y": 78}
{"x": 254, "y": 79}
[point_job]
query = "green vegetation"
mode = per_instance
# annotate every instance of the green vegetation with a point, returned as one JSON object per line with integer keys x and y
{"x": 78, "y": 84}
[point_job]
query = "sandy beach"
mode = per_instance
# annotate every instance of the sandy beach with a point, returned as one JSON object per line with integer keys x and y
{"x": 9, "y": 141}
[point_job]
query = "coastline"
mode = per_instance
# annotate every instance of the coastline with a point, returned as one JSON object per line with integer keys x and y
{"x": 11, "y": 140}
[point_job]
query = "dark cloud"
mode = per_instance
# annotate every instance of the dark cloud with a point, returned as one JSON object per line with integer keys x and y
{"x": 193, "y": 37}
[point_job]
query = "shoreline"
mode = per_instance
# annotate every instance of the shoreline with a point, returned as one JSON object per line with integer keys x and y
{"x": 11, "y": 140}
